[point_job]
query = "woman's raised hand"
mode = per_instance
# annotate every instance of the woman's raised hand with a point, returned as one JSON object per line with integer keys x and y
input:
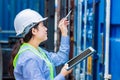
{"x": 63, "y": 26}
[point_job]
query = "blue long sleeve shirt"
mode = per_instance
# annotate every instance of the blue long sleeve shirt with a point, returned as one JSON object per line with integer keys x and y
{"x": 31, "y": 67}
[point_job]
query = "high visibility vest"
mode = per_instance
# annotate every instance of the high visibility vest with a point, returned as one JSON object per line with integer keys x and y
{"x": 39, "y": 53}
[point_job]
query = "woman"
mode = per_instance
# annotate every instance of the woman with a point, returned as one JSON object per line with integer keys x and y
{"x": 29, "y": 60}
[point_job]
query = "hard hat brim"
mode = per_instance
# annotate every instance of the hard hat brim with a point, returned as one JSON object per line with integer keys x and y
{"x": 44, "y": 19}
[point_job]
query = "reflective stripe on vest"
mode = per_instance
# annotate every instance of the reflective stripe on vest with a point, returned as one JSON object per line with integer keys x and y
{"x": 26, "y": 46}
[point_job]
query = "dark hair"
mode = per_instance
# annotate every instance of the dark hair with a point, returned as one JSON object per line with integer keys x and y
{"x": 16, "y": 48}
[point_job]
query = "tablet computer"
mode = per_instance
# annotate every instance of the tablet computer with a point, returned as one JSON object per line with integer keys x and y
{"x": 77, "y": 59}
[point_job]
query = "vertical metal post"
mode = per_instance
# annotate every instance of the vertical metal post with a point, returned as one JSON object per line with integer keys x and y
{"x": 55, "y": 25}
{"x": 69, "y": 6}
{"x": 79, "y": 33}
{"x": 85, "y": 33}
{"x": 75, "y": 33}
{"x": 107, "y": 35}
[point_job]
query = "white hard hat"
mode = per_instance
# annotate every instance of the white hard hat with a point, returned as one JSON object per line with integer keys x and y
{"x": 26, "y": 18}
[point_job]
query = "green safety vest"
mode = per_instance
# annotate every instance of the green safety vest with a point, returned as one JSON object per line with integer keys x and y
{"x": 27, "y": 46}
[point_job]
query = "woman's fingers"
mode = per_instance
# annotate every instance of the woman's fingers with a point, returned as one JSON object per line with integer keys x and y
{"x": 63, "y": 22}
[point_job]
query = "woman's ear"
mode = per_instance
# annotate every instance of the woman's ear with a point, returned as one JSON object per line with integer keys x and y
{"x": 34, "y": 31}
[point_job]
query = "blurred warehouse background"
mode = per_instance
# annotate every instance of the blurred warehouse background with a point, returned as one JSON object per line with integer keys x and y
{"x": 92, "y": 23}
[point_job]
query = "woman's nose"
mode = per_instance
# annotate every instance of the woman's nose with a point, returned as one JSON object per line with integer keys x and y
{"x": 45, "y": 28}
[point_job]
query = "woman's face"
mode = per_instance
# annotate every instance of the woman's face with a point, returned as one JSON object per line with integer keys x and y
{"x": 41, "y": 32}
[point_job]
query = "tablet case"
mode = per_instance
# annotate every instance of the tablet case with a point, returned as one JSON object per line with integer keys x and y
{"x": 77, "y": 59}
